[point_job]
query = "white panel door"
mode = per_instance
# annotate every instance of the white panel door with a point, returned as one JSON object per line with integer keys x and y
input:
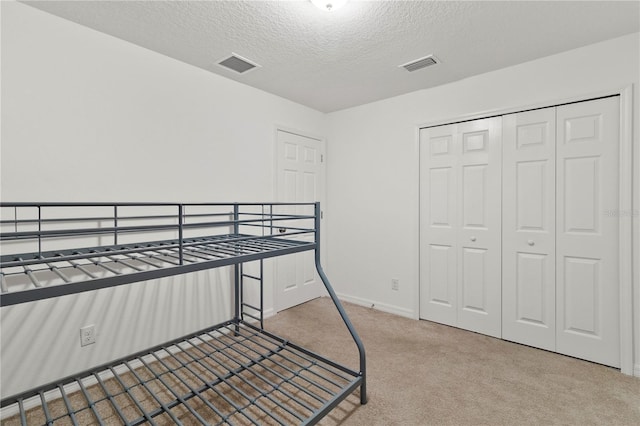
{"x": 479, "y": 226}
{"x": 300, "y": 177}
{"x": 439, "y": 158}
{"x": 460, "y": 225}
{"x": 528, "y": 228}
{"x": 587, "y": 287}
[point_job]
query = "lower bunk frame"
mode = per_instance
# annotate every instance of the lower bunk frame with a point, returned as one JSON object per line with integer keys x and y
{"x": 232, "y": 373}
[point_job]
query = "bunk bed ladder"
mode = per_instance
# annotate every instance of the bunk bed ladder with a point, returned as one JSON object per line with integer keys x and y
{"x": 248, "y": 311}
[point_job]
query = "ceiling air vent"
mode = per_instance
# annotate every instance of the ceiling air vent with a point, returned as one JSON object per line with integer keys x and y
{"x": 420, "y": 63}
{"x": 238, "y": 64}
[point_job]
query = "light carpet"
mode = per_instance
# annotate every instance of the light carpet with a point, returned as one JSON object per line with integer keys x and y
{"x": 423, "y": 373}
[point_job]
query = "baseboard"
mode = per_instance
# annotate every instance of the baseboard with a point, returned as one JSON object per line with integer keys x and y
{"x": 403, "y": 312}
{"x": 636, "y": 370}
{"x": 268, "y": 313}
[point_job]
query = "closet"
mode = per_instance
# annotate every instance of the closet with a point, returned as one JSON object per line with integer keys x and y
{"x": 555, "y": 282}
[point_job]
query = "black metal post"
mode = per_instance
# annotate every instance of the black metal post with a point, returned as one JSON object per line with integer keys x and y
{"x": 343, "y": 314}
{"x": 115, "y": 225}
{"x": 236, "y": 267}
{"x": 180, "y": 234}
{"x": 261, "y": 284}
{"x": 39, "y": 231}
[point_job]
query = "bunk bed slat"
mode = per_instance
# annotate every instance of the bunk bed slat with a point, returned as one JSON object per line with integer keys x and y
{"x": 95, "y": 282}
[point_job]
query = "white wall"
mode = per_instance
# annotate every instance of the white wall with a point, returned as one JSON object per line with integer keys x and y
{"x": 88, "y": 117}
{"x": 373, "y": 165}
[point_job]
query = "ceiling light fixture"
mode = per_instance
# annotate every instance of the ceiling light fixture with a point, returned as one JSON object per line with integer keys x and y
{"x": 328, "y": 5}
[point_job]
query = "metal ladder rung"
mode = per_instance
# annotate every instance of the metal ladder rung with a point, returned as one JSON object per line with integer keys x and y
{"x": 252, "y": 316}
{"x": 250, "y": 306}
{"x": 252, "y": 277}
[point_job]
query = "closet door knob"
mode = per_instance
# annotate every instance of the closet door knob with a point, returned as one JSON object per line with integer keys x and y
{"x": 473, "y": 238}
{"x": 530, "y": 242}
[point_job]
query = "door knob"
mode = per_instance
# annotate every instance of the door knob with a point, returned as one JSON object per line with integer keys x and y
{"x": 473, "y": 238}
{"x": 530, "y": 242}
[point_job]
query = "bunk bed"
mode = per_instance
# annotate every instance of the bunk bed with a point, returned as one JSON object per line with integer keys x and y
{"x": 235, "y": 372}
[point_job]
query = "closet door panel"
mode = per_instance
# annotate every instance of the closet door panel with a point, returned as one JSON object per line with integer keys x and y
{"x": 532, "y": 289}
{"x": 528, "y": 259}
{"x": 587, "y": 287}
{"x": 479, "y": 278}
{"x": 474, "y": 280}
{"x": 438, "y": 223}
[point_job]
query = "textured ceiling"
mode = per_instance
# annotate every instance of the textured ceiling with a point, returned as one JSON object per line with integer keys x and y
{"x": 331, "y": 61}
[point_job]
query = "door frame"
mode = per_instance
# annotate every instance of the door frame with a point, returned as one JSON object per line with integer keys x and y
{"x": 625, "y": 207}
{"x": 322, "y": 192}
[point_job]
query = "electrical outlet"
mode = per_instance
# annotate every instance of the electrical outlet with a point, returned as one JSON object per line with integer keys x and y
{"x": 87, "y": 335}
{"x": 395, "y": 284}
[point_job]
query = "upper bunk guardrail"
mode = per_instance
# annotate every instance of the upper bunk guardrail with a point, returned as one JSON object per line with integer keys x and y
{"x": 149, "y": 240}
{"x": 234, "y": 217}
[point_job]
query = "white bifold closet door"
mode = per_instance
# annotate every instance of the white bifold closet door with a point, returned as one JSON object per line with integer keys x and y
{"x": 587, "y": 199}
{"x": 529, "y": 235}
{"x": 560, "y": 239}
{"x": 460, "y": 190}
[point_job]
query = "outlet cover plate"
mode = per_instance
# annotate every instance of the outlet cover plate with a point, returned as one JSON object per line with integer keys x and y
{"x": 395, "y": 284}
{"x": 87, "y": 335}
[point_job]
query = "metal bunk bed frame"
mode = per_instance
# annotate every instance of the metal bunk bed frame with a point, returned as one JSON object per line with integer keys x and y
{"x": 235, "y": 372}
